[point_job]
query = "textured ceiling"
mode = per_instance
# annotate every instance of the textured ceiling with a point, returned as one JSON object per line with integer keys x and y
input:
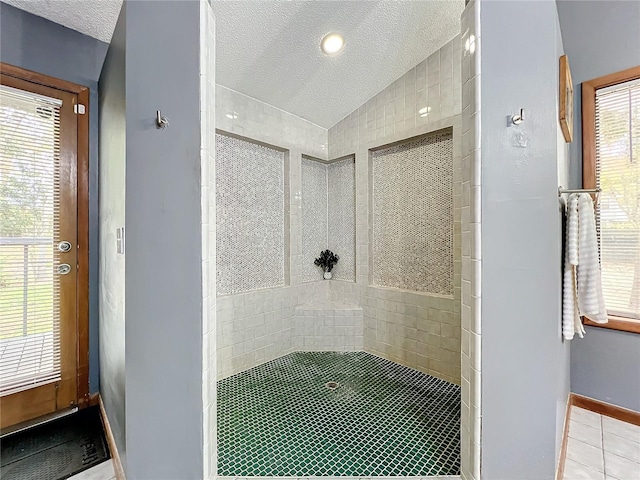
{"x": 269, "y": 50}
{"x": 96, "y": 18}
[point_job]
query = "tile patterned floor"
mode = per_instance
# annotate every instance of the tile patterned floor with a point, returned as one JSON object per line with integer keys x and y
{"x": 279, "y": 419}
{"x": 601, "y": 448}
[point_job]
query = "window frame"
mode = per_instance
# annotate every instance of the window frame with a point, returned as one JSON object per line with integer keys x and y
{"x": 589, "y": 89}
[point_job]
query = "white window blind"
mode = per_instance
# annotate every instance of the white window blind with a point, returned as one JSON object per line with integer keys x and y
{"x": 618, "y": 175}
{"x": 29, "y": 206}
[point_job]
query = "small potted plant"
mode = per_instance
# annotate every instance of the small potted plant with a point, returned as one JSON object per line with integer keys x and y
{"x": 327, "y": 261}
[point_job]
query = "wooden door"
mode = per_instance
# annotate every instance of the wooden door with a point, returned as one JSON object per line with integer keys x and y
{"x": 39, "y": 327}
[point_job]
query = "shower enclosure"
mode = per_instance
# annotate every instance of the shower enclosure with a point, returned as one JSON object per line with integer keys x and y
{"x": 358, "y": 375}
{"x": 375, "y": 372}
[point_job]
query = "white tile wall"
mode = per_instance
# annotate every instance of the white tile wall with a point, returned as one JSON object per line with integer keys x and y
{"x": 208, "y": 208}
{"x": 256, "y": 327}
{"x": 413, "y": 329}
{"x": 243, "y": 116}
{"x": 471, "y": 243}
{"x": 397, "y": 111}
{"x": 251, "y": 118}
{"x": 328, "y": 326}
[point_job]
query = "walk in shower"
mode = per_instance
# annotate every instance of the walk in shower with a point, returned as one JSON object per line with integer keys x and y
{"x": 358, "y": 375}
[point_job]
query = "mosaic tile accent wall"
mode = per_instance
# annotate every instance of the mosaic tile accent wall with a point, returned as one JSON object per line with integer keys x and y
{"x": 412, "y": 201}
{"x": 342, "y": 217}
{"x": 314, "y": 217}
{"x": 250, "y": 241}
{"x": 328, "y": 217}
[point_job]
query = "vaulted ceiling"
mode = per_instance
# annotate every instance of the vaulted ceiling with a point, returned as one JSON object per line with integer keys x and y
{"x": 270, "y": 50}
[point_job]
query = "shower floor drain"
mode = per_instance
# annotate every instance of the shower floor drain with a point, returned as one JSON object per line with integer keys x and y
{"x": 332, "y": 385}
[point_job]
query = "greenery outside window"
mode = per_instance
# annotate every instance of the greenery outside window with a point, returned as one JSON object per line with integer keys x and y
{"x": 611, "y": 162}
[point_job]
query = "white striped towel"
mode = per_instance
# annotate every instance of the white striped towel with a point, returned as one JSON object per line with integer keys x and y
{"x": 590, "y": 297}
{"x": 570, "y": 318}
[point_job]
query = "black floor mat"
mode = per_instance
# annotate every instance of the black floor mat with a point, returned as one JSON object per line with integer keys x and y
{"x": 55, "y": 450}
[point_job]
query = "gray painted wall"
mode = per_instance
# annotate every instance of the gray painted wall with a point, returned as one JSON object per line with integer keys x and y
{"x": 524, "y": 362}
{"x": 605, "y": 365}
{"x": 37, "y": 44}
{"x": 163, "y": 283}
{"x": 601, "y": 37}
{"x": 112, "y": 201}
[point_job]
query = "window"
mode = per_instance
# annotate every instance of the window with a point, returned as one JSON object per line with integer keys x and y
{"x": 611, "y": 162}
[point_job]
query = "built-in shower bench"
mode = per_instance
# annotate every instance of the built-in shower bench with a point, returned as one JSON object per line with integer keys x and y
{"x": 325, "y": 325}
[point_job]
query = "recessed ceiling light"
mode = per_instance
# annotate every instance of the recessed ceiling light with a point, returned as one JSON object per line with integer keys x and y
{"x": 424, "y": 111}
{"x": 332, "y": 43}
{"x": 232, "y": 115}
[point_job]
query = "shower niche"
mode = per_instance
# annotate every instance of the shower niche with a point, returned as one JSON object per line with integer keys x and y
{"x": 328, "y": 216}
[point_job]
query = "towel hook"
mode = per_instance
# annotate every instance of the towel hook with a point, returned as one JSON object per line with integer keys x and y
{"x": 518, "y": 118}
{"x": 161, "y": 122}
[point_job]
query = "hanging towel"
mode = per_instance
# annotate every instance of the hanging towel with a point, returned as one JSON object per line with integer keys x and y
{"x": 570, "y": 317}
{"x": 590, "y": 297}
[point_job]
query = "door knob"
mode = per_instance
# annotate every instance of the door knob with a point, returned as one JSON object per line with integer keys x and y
{"x": 64, "y": 246}
{"x": 64, "y": 268}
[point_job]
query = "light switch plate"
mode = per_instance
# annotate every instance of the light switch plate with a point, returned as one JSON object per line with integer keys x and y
{"x": 120, "y": 240}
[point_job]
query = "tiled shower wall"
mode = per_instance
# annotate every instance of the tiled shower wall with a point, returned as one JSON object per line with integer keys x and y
{"x": 255, "y": 327}
{"x": 471, "y": 244}
{"x": 247, "y": 117}
{"x": 419, "y": 330}
{"x": 397, "y": 111}
{"x": 208, "y": 209}
{"x": 328, "y": 217}
{"x": 327, "y": 326}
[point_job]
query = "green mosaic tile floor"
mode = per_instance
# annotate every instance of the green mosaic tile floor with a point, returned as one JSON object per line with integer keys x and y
{"x": 280, "y": 419}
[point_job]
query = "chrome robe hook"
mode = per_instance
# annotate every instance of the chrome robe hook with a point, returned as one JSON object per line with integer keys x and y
{"x": 161, "y": 122}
